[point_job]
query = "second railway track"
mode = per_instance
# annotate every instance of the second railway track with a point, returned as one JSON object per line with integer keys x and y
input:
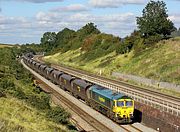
{"x": 103, "y": 125}
{"x": 99, "y": 122}
{"x": 155, "y": 99}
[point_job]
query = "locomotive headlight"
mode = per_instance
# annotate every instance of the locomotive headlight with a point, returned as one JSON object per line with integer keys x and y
{"x": 131, "y": 112}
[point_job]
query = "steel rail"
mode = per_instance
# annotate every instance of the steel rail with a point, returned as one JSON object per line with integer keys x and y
{"x": 157, "y": 100}
{"x": 99, "y": 126}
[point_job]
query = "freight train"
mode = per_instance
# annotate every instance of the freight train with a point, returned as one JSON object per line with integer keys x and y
{"x": 114, "y": 105}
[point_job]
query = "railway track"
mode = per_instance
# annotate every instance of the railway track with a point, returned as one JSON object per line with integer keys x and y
{"x": 155, "y": 99}
{"x": 98, "y": 126}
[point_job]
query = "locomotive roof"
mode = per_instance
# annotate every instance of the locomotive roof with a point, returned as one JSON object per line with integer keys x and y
{"x": 81, "y": 83}
{"x": 108, "y": 93}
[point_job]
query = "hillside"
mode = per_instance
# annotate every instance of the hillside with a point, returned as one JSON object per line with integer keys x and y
{"x": 15, "y": 115}
{"x": 24, "y": 107}
{"x": 159, "y": 62}
{"x": 5, "y": 45}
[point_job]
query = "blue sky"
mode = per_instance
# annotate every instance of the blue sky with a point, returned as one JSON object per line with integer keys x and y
{"x": 25, "y": 21}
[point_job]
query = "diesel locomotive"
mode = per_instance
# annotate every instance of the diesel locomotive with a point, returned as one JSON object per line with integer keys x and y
{"x": 114, "y": 105}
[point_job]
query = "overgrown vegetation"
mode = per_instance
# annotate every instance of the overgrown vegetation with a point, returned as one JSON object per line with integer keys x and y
{"x": 95, "y": 51}
{"x": 16, "y": 82}
{"x": 153, "y": 26}
{"x": 91, "y": 50}
{"x": 159, "y": 62}
{"x": 5, "y": 45}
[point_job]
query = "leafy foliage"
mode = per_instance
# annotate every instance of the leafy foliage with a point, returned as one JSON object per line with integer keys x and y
{"x": 63, "y": 38}
{"x": 99, "y": 45}
{"x": 66, "y": 39}
{"x": 48, "y": 41}
{"x": 58, "y": 115}
{"x": 155, "y": 20}
{"x": 17, "y": 82}
{"x": 88, "y": 29}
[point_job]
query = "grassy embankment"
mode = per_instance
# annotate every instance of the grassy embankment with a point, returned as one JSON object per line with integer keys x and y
{"x": 160, "y": 62}
{"x": 17, "y": 116}
{"x": 5, "y": 45}
{"x": 23, "y": 107}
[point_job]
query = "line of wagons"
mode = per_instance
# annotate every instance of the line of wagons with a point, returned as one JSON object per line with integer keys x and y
{"x": 116, "y": 106}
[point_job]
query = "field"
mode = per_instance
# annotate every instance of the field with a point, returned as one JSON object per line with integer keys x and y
{"x": 5, "y": 45}
{"x": 160, "y": 62}
{"x": 15, "y": 116}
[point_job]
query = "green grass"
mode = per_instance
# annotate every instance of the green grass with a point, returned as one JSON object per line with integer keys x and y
{"x": 16, "y": 116}
{"x": 160, "y": 62}
{"x": 23, "y": 107}
{"x": 5, "y": 45}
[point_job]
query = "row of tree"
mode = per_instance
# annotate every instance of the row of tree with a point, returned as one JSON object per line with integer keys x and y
{"x": 153, "y": 26}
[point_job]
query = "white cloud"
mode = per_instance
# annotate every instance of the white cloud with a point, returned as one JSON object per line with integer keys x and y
{"x": 42, "y": 16}
{"x": 71, "y": 8}
{"x": 107, "y": 23}
{"x": 35, "y": 1}
{"x": 11, "y": 20}
{"x": 113, "y": 3}
{"x": 118, "y": 24}
{"x": 175, "y": 18}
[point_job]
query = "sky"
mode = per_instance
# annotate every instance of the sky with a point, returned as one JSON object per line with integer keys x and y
{"x": 25, "y": 21}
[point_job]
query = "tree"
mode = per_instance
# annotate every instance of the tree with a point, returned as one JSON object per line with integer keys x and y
{"x": 88, "y": 29}
{"x": 48, "y": 40}
{"x": 155, "y": 20}
{"x": 64, "y": 36}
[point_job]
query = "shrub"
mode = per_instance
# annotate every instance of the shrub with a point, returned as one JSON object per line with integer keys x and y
{"x": 19, "y": 93}
{"x": 40, "y": 101}
{"x": 6, "y": 83}
{"x": 152, "y": 39}
{"x": 58, "y": 115}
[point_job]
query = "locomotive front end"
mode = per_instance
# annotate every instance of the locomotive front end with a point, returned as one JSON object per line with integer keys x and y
{"x": 124, "y": 109}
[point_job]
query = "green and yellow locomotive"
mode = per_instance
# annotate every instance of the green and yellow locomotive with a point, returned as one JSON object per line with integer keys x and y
{"x": 116, "y": 106}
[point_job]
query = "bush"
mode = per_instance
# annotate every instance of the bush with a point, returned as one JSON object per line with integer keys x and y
{"x": 6, "y": 83}
{"x": 2, "y": 94}
{"x": 152, "y": 39}
{"x": 40, "y": 101}
{"x": 58, "y": 115}
{"x": 18, "y": 93}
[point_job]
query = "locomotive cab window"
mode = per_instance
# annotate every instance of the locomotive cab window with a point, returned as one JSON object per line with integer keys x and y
{"x": 129, "y": 103}
{"x": 120, "y": 103}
